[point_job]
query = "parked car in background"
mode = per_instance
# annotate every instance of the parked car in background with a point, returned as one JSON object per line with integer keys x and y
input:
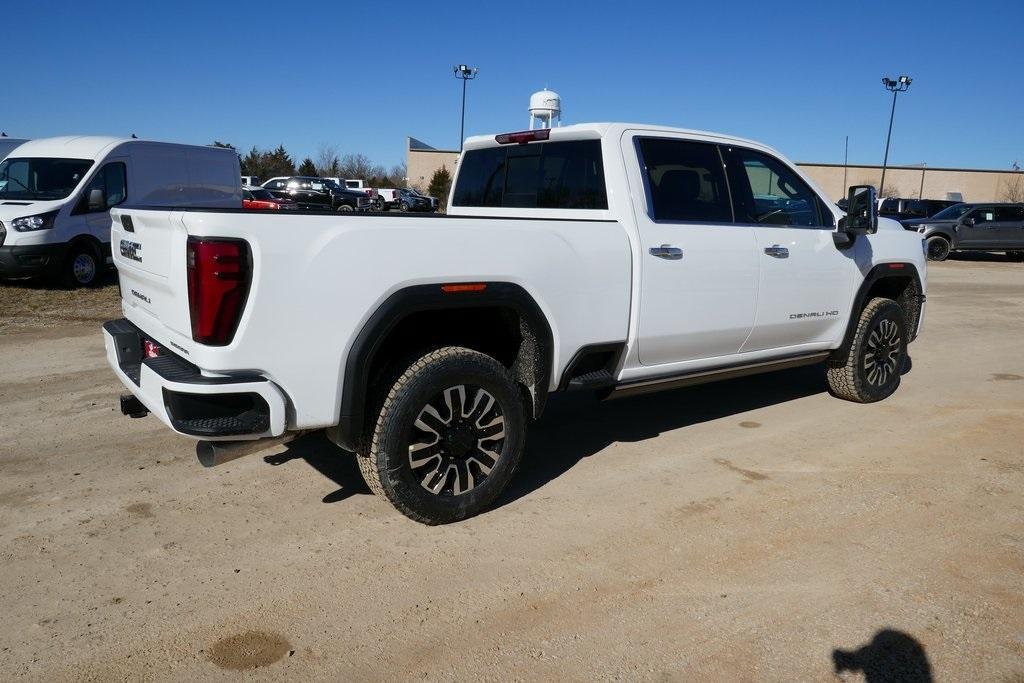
{"x": 56, "y": 195}
{"x": 411, "y": 200}
{"x": 317, "y": 194}
{"x": 426, "y": 345}
{"x": 257, "y": 198}
{"x": 899, "y": 208}
{"x": 8, "y": 145}
{"x": 978, "y": 227}
{"x": 251, "y": 180}
{"x": 386, "y": 198}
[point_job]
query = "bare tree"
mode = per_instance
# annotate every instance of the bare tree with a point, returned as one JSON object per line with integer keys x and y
{"x": 328, "y": 163}
{"x": 356, "y": 166}
{"x": 1012, "y": 189}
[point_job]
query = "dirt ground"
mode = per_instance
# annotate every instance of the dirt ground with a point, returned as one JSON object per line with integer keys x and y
{"x": 751, "y": 530}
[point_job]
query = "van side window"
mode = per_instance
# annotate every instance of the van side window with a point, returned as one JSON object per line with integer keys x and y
{"x": 544, "y": 175}
{"x": 112, "y": 180}
{"x": 766, "y": 191}
{"x": 685, "y": 181}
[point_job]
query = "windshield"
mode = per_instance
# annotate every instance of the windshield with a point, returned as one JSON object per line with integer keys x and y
{"x": 41, "y": 179}
{"x": 953, "y": 212}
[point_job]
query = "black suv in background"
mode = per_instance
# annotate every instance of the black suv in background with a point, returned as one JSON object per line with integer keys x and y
{"x": 977, "y": 227}
{"x": 317, "y": 194}
{"x": 899, "y": 208}
{"x": 411, "y": 200}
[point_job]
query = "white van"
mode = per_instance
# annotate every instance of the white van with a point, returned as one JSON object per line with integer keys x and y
{"x": 8, "y": 145}
{"x": 56, "y": 195}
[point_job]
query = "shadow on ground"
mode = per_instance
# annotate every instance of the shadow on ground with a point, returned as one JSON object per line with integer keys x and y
{"x": 891, "y": 656}
{"x": 577, "y": 426}
{"x": 982, "y": 257}
{"x": 334, "y": 463}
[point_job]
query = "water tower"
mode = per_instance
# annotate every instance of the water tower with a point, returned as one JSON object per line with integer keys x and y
{"x": 545, "y": 108}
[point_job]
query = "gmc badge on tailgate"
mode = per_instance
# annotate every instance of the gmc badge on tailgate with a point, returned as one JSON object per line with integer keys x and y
{"x": 132, "y": 250}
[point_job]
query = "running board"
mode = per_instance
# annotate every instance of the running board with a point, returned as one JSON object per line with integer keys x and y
{"x": 645, "y": 386}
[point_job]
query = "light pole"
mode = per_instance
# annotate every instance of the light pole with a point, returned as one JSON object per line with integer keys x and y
{"x": 465, "y": 73}
{"x": 895, "y": 87}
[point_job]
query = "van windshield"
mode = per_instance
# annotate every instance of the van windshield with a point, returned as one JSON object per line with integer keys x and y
{"x": 41, "y": 179}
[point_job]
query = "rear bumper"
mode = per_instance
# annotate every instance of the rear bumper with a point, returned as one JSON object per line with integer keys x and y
{"x": 239, "y": 406}
{"x": 31, "y": 260}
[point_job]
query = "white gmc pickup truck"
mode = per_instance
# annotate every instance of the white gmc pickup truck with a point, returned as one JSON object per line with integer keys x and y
{"x": 613, "y": 258}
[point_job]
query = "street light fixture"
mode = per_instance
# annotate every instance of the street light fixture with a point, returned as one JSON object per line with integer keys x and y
{"x": 895, "y": 86}
{"x": 465, "y": 73}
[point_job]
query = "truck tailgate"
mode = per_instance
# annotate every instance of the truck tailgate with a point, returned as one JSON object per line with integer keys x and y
{"x": 149, "y": 252}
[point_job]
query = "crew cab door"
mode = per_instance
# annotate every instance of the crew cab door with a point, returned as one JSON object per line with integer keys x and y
{"x": 806, "y": 284}
{"x": 698, "y": 270}
{"x": 977, "y": 228}
{"x": 1010, "y": 230}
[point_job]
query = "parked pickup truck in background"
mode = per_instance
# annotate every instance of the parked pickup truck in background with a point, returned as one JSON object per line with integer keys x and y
{"x": 977, "y": 227}
{"x": 613, "y": 258}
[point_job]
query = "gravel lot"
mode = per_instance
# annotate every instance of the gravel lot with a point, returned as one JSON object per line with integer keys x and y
{"x": 752, "y": 530}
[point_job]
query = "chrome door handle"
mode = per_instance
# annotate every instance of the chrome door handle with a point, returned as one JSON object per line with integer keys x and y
{"x": 777, "y": 251}
{"x": 667, "y": 251}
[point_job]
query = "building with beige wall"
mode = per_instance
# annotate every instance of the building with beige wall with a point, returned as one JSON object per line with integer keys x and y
{"x": 963, "y": 184}
{"x": 422, "y": 161}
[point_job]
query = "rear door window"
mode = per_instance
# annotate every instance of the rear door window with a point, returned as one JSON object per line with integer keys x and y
{"x": 547, "y": 175}
{"x": 1010, "y": 213}
{"x": 685, "y": 181}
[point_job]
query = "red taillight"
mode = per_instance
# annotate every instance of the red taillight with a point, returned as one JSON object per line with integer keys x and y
{"x": 523, "y": 137}
{"x": 218, "y": 283}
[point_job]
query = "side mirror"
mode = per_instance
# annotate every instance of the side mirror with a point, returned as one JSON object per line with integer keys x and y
{"x": 97, "y": 200}
{"x": 967, "y": 221}
{"x": 862, "y": 211}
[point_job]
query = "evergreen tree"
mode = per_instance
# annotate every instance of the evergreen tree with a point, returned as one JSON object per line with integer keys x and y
{"x": 440, "y": 184}
{"x": 307, "y": 167}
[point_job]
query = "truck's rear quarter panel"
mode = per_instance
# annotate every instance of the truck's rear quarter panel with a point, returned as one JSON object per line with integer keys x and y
{"x": 317, "y": 279}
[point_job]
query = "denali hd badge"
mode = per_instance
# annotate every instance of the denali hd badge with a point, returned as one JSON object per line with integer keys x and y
{"x": 813, "y": 314}
{"x": 132, "y": 250}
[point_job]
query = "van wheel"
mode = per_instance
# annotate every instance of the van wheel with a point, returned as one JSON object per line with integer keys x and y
{"x": 877, "y": 356}
{"x": 938, "y": 248}
{"x": 448, "y": 438}
{"x": 81, "y": 267}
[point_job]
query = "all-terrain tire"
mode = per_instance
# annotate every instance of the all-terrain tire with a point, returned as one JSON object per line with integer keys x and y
{"x": 938, "y": 248}
{"x": 872, "y": 369}
{"x": 448, "y": 437}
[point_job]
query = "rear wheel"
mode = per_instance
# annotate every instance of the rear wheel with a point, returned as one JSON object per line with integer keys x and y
{"x": 938, "y": 248}
{"x": 81, "y": 266}
{"x": 448, "y": 438}
{"x": 877, "y": 355}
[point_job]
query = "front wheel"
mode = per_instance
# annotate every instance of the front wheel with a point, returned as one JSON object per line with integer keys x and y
{"x": 344, "y": 207}
{"x": 81, "y": 267}
{"x": 877, "y": 355}
{"x": 404, "y": 207}
{"x": 448, "y": 438}
{"x": 1016, "y": 256}
{"x": 938, "y": 248}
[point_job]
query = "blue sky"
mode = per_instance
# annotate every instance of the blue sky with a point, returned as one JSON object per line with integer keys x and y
{"x": 363, "y": 76}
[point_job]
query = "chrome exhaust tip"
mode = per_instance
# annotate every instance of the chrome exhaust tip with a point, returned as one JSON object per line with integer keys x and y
{"x": 213, "y": 453}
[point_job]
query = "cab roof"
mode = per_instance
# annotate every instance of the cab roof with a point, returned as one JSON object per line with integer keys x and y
{"x": 611, "y": 130}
